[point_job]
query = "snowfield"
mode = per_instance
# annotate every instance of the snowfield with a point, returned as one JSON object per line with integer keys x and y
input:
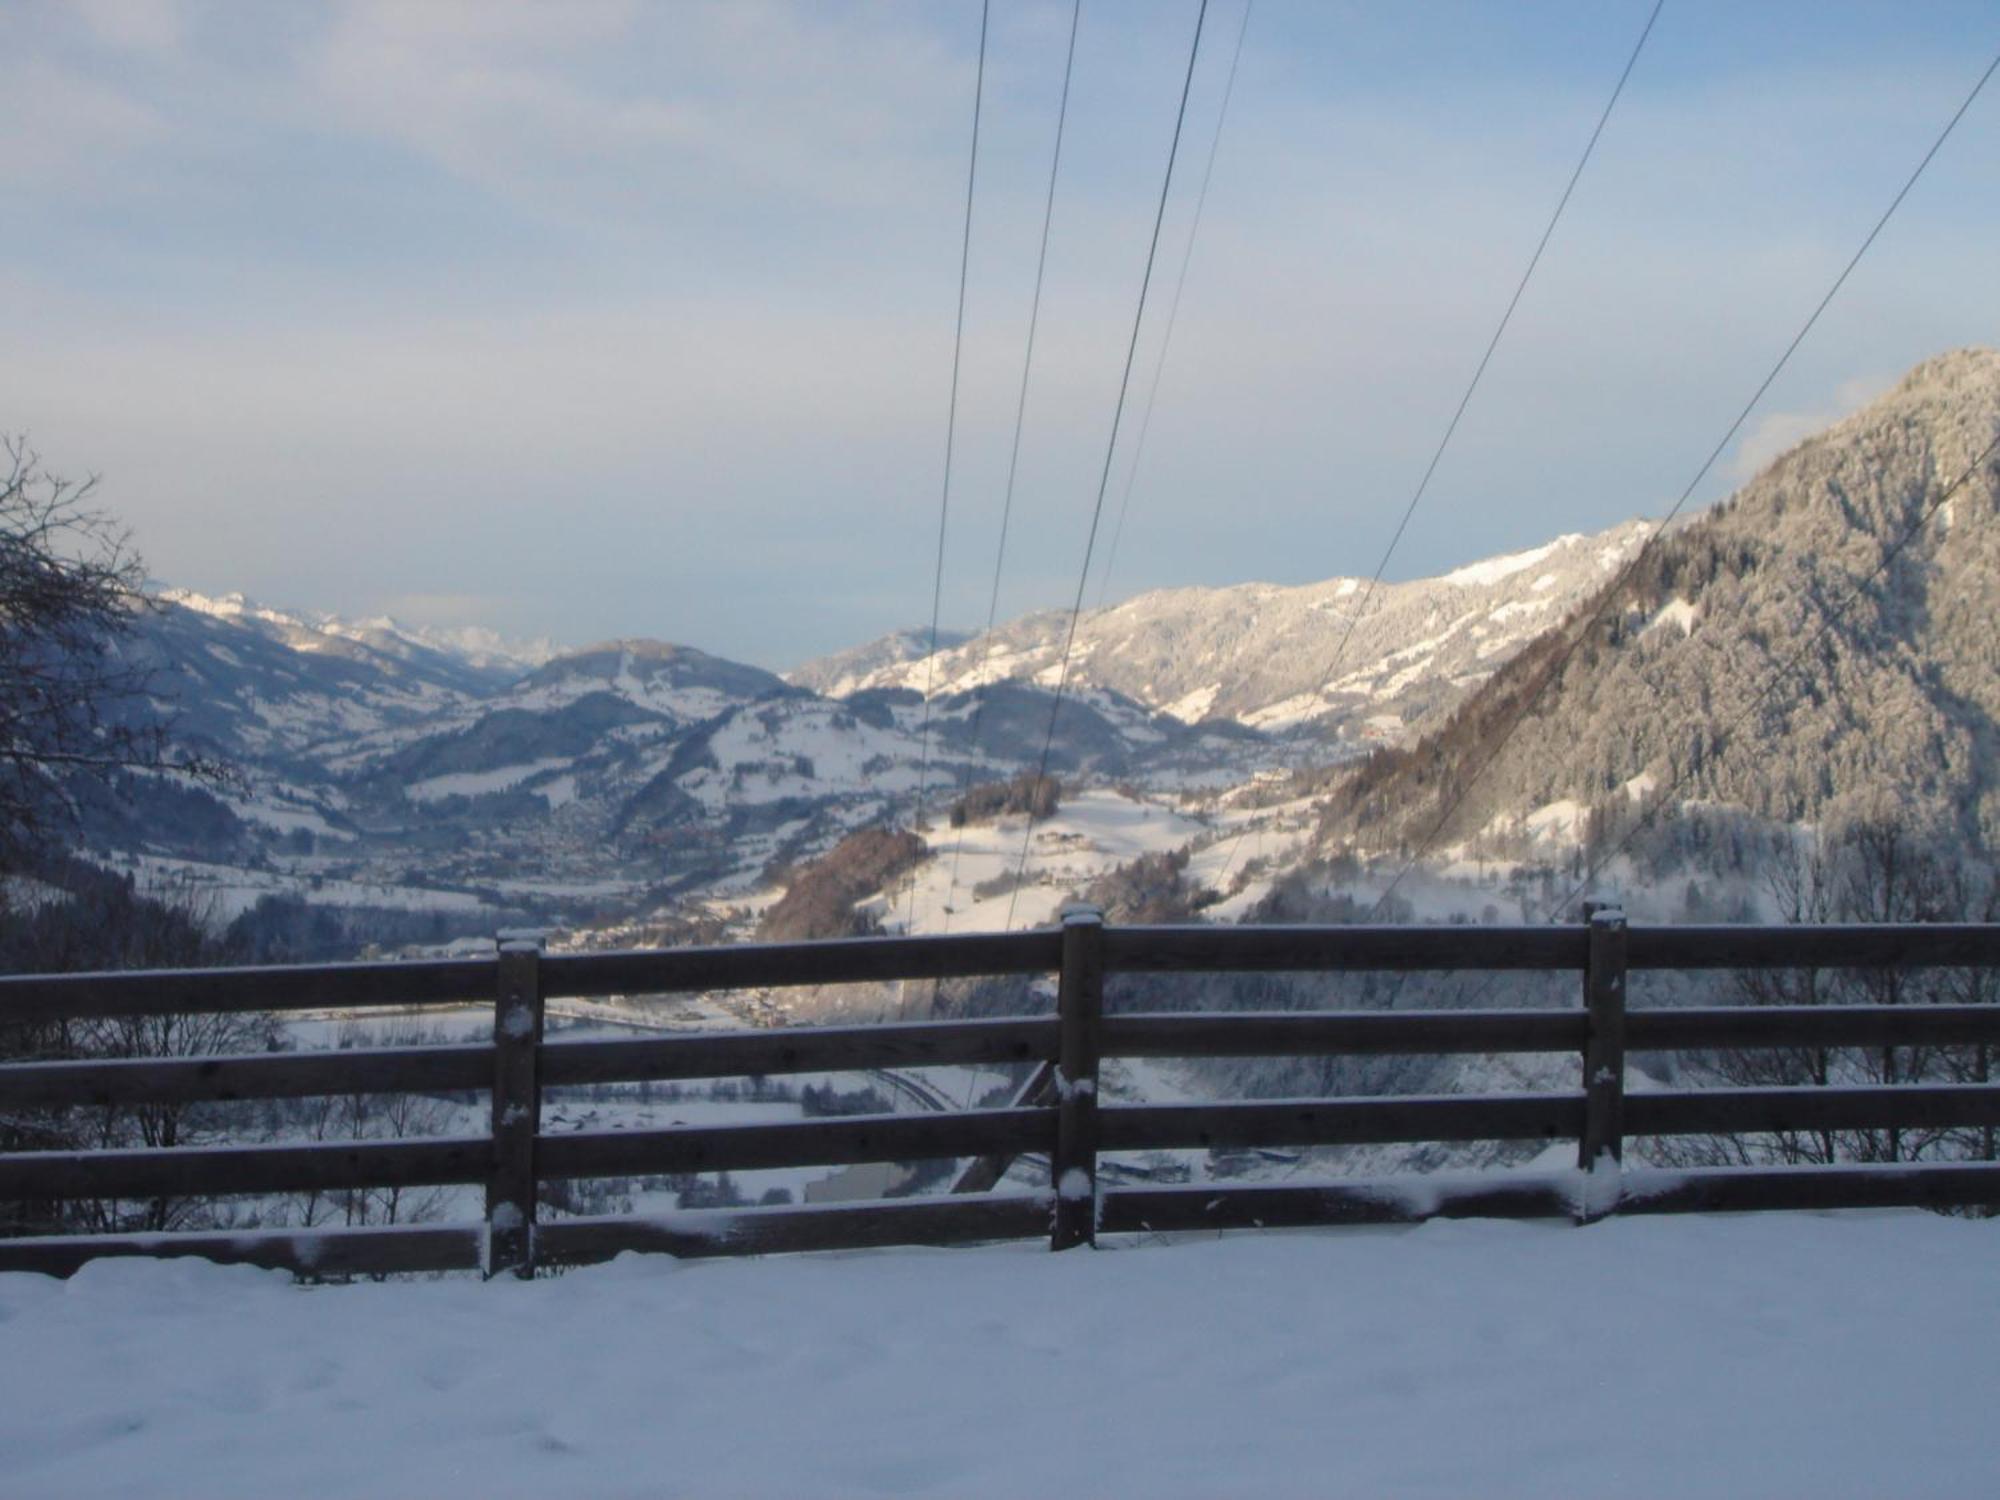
{"x": 1809, "y": 1355}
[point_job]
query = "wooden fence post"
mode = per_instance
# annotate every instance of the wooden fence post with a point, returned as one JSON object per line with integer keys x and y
{"x": 1601, "y": 1149}
{"x": 517, "y": 1106}
{"x": 1080, "y": 1009}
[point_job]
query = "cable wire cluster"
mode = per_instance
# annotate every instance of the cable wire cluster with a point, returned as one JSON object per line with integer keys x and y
{"x": 1579, "y": 628}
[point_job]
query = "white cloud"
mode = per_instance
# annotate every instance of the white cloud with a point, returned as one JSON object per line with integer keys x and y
{"x": 134, "y": 25}
{"x": 1778, "y": 432}
{"x": 530, "y": 101}
{"x": 62, "y": 127}
{"x": 483, "y": 90}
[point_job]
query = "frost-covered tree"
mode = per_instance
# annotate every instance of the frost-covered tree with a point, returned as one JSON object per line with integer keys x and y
{"x": 76, "y": 714}
{"x": 1875, "y": 869}
{"x": 1817, "y": 647}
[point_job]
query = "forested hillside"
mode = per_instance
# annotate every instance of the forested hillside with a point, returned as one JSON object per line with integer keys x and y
{"x": 1807, "y": 651}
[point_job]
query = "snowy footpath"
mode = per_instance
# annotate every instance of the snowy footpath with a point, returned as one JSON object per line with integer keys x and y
{"x": 1821, "y": 1356}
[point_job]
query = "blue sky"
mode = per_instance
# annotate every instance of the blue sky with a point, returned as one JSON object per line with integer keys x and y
{"x": 614, "y": 318}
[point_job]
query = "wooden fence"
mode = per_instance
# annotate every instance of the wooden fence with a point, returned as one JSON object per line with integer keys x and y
{"x": 1058, "y": 1114}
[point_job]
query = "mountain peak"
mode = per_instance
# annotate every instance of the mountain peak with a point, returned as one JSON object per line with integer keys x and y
{"x": 1954, "y": 371}
{"x": 473, "y": 646}
{"x": 231, "y": 606}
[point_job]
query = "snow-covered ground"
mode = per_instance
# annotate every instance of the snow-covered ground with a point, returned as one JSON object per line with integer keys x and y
{"x": 1821, "y": 1356}
{"x": 218, "y": 893}
{"x": 1093, "y": 832}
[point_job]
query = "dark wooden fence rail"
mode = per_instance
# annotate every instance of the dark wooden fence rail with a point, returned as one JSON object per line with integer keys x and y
{"x": 1056, "y": 1113}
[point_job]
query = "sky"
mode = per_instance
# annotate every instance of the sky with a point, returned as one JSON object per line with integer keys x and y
{"x": 609, "y": 318}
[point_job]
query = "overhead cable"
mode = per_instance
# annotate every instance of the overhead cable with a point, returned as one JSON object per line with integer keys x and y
{"x": 1110, "y": 449}
{"x": 950, "y": 433}
{"x": 1173, "y": 313}
{"x": 1014, "y": 452}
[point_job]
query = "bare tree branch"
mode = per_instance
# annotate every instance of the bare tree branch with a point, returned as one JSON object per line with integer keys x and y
{"x": 75, "y": 698}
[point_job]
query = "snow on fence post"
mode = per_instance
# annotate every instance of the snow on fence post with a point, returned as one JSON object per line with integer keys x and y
{"x": 517, "y": 1106}
{"x": 1601, "y": 1150}
{"x": 1080, "y": 1009}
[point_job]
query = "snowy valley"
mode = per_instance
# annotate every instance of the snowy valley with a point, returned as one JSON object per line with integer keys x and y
{"x": 383, "y": 768}
{"x": 1247, "y": 754}
{"x": 794, "y": 748}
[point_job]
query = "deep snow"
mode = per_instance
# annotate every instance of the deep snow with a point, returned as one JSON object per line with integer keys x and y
{"x": 1832, "y": 1355}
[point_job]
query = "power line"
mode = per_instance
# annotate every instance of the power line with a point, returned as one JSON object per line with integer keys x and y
{"x": 1829, "y": 618}
{"x": 1014, "y": 453}
{"x": 1451, "y": 427}
{"x": 950, "y": 434}
{"x": 1478, "y": 374}
{"x": 1638, "y": 557}
{"x": 1110, "y": 449}
{"x": 1173, "y": 312}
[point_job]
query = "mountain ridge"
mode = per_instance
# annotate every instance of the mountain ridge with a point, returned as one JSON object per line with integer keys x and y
{"x": 1267, "y": 655}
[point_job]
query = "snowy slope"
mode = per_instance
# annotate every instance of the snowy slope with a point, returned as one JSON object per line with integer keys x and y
{"x": 245, "y": 679}
{"x": 1089, "y": 834}
{"x": 862, "y": 666}
{"x": 1784, "y": 1355}
{"x": 676, "y": 682}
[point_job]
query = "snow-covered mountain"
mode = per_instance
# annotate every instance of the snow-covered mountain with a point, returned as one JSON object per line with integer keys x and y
{"x": 1330, "y": 656}
{"x": 475, "y": 645}
{"x": 375, "y": 756}
{"x": 1176, "y": 683}
{"x": 243, "y": 679}
{"x": 677, "y": 682}
{"x": 861, "y": 667}
{"x": 1784, "y": 659}
{"x": 374, "y": 766}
